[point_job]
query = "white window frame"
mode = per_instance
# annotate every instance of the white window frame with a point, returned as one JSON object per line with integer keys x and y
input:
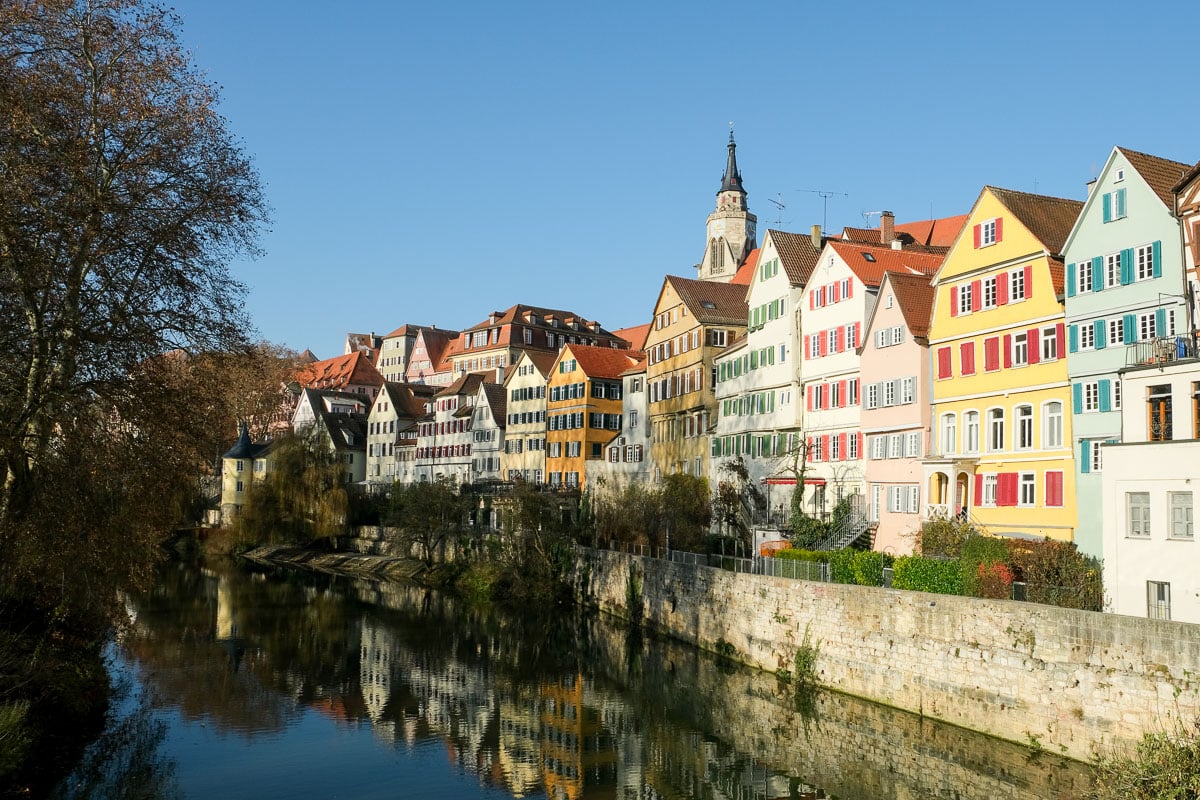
{"x": 1083, "y": 277}
{"x": 948, "y": 433}
{"x": 990, "y": 483}
{"x": 964, "y": 299}
{"x": 995, "y": 430}
{"x": 1052, "y": 425}
{"x": 1180, "y": 516}
{"x": 1137, "y": 515}
{"x": 989, "y": 292}
{"x": 1112, "y": 270}
{"x": 1020, "y": 349}
{"x": 971, "y": 431}
{"x": 1116, "y": 331}
{"x": 1023, "y": 427}
{"x": 1143, "y": 262}
{"x": 1091, "y": 396}
{"x": 1087, "y": 336}
{"x": 1016, "y": 285}
{"x": 1027, "y": 489}
{"x": 987, "y": 233}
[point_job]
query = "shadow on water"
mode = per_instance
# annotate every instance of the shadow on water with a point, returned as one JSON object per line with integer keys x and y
{"x": 549, "y": 703}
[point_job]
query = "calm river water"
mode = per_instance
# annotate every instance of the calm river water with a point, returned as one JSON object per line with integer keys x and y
{"x": 239, "y": 682}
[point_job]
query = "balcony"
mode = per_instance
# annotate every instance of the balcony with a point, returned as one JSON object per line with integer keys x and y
{"x": 1159, "y": 351}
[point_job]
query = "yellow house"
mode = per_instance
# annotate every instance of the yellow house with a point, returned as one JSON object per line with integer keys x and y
{"x": 583, "y": 409}
{"x": 693, "y": 322}
{"x": 1001, "y": 418}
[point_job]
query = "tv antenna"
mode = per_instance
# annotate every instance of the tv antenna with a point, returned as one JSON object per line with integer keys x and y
{"x": 866, "y": 215}
{"x": 825, "y": 195}
{"x": 777, "y": 201}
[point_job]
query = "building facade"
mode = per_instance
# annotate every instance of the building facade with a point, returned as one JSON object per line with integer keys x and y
{"x": 525, "y": 434}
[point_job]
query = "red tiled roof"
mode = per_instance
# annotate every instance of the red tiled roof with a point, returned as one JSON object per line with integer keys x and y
{"x": 639, "y": 365}
{"x": 870, "y": 262}
{"x": 1058, "y": 271}
{"x": 1160, "y": 174}
{"x": 603, "y": 362}
{"x": 354, "y": 369}
{"x": 914, "y": 294}
{"x": 745, "y": 273}
{"x": 1049, "y": 219}
{"x": 711, "y": 302}
{"x": 307, "y": 357}
{"x": 938, "y": 233}
{"x": 635, "y": 335}
{"x": 797, "y": 254}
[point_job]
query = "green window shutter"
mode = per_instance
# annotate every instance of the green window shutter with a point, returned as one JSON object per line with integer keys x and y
{"x": 1157, "y": 248}
{"x": 1077, "y": 397}
{"x": 1105, "y": 386}
{"x": 1071, "y": 279}
{"x": 1074, "y": 337}
{"x": 1119, "y": 211}
{"x": 716, "y": 446}
{"x": 1160, "y": 322}
{"x": 1126, "y": 267}
{"x": 1107, "y": 207}
{"x": 1101, "y": 334}
{"x": 1130, "y": 325}
{"x": 1085, "y": 456}
{"x": 1097, "y": 274}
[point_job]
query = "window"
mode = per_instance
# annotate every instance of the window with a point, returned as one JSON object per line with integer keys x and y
{"x": 241, "y": 486}
{"x": 1137, "y": 505}
{"x": 889, "y": 393}
{"x": 995, "y": 430}
{"x": 1024, "y": 428}
{"x": 1087, "y": 336}
{"x": 1016, "y": 285}
{"x": 1116, "y": 330}
{"x": 896, "y": 445}
{"x": 814, "y": 345}
{"x": 1052, "y": 425}
{"x": 872, "y": 395}
{"x": 1159, "y": 401}
{"x": 1144, "y": 262}
{"x": 989, "y": 293}
{"x": 1091, "y": 396}
{"x": 852, "y": 395}
{"x": 878, "y": 447}
{"x": 1083, "y": 275}
{"x": 1116, "y": 395}
{"x": 832, "y": 336}
{"x": 989, "y": 490}
{"x": 1112, "y": 270}
{"x": 971, "y": 432}
{"x": 949, "y": 433}
{"x": 964, "y": 299}
{"x": 241, "y": 465}
{"x": 1181, "y": 515}
{"x": 912, "y": 446}
{"x": 1158, "y": 600}
{"x": 835, "y": 448}
{"x": 1114, "y": 205}
{"x": 1028, "y": 496}
{"x": 987, "y": 233}
{"x": 908, "y": 388}
{"x": 1147, "y": 326}
{"x": 1020, "y": 349}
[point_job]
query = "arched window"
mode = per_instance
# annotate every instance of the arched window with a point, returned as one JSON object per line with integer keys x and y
{"x": 971, "y": 432}
{"x": 1052, "y": 425}
{"x": 949, "y": 433}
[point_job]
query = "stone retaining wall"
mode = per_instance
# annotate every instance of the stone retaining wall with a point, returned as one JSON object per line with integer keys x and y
{"x": 1070, "y": 681}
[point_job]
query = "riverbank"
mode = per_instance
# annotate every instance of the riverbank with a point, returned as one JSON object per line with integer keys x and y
{"x": 358, "y": 565}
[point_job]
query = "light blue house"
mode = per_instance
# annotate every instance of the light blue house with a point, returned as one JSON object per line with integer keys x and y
{"x": 1125, "y": 305}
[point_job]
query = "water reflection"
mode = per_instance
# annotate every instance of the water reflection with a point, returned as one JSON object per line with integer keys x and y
{"x": 550, "y": 704}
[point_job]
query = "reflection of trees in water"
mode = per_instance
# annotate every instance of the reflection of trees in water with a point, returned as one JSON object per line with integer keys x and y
{"x": 125, "y": 762}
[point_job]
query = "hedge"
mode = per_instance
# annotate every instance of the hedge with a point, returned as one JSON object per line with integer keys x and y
{"x": 921, "y": 574}
{"x": 861, "y": 567}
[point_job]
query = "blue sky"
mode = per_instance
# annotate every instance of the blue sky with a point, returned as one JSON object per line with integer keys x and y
{"x": 431, "y": 162}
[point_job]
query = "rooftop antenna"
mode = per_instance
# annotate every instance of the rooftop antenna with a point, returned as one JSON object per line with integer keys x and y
{"x": 866, "y": 215}
{"x": 777, "y": 201}
{"x": 825, "y": 195}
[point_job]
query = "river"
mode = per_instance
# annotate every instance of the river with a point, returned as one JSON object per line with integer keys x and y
{"x": 243, "y": 682}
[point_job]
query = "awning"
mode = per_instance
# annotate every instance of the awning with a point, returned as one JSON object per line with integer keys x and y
{"x": 814, "y": 481}
{"x": 778, "y": 481}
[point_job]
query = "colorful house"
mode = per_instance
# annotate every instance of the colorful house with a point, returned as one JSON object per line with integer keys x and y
{"x": 1002, "y": 438}
{"x": 524, "y": 455}
{"x": 1125, "y": 304}
{"x": 625, "y": 461}
{"x": 583, "y": 409}
{"x": 444, "y": 446}
{"x": 391, "y": 432}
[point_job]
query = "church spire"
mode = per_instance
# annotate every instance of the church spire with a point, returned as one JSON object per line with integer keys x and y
{"x": 731, "y": 181}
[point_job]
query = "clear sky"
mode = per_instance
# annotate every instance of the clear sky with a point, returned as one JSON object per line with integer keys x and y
{"x": 430, "y": 162}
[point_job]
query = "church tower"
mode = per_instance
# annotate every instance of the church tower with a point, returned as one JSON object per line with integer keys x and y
{"x": 731, "y": 234}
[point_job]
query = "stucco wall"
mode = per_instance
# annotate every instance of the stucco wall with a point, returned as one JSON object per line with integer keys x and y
{"x": 1074, "y": 681}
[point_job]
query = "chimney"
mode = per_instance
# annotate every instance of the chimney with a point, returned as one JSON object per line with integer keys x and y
{"x": 887, "y": 227}
{"x": 816, "y": 236}
{"x": 1091, "y": 186}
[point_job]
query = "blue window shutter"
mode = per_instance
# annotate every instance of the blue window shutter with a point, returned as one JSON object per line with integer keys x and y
{"x": 1160, "y": 322}
{"x": 1101, "y": 334}
{"x": 1097, "y": 274}
{"x": 1074, "y": 337}
{"x": 1126, "y": 267}
{"x": 1105, "y": 386}
{"x": 1108, "y": 207}
{"x": 1085, "y": 455}
{"x": 1077, "y": 397}
{"x": 1130, "y": 329}
{"x": 1119, "y": 211}
{"x": 1157, "y": 246}
{"x": 1071, "y": 279}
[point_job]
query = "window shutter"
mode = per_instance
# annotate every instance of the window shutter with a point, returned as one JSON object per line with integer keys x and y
{"x": 1002, "y": 288}
{"x": 808, "y": 398}
{"x": 1028, "y": 281}
{"x": 966, "y": 358}
{"x": 1105, "y": 386}
{"x": 1077, "y": 398}
{"x": 842, "y": 446}
{"x": 811, "y": 301}
{"x": 1126, "y": 266}
{"x": 842, "y": 395}
{"x": 859, "y": 448}
{"x": 1097, "y": 274}
{"x": 1120, "y": 204}
{"x": 836, "y": 292}
{"x": 1085, "y": 452}
{"x": 978, "y": 488}
{"x": 822, "y": 343}
{"x": 943, "y": 357}
{"x": 1033, "y": 336}
{"x": 976, "y": 295}
{"x": 954, "y": 301}
{"x": 1007, "y": 350}
{"x": 1054, "y": 489}
{"x": 1071, "y": 279}
{"x": 978, "y": 229}
{"x": 1006, "y": 489}
{"x": 1156, "y": 248}
{"x": 850, "y": 288}
{"x": 1074, "y": 338}
{"x": 1101, "y": 335}
{"x": 1160, "y": 322}
{"x": 840, "y": 338}
{"x": 999, "y": 229}
{"x": 1107, "y": 206}
{"x": 825, "y": 447}
{"x": 1130, "y": 328}
{"x": 857, "y": 333}
{"x": 1060, "y": 340}
{"x": 991, "y": 354}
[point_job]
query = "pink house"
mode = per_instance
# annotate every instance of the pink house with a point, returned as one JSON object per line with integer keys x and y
{"x": 896, "y": 409}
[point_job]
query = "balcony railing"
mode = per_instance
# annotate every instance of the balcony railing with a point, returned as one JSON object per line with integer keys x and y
{"x": 1162, "y": 350}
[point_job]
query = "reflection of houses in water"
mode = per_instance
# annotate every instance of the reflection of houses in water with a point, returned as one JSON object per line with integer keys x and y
{"x": 375, "y": 673}
{"x": 459, "y": 701}
{"x": 577, "y": 749}
{"x": 519, "y": 752}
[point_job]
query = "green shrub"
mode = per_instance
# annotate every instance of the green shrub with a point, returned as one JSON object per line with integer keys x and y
{"x": 982, "y": 551}
{"x": 944, "y": 536}
{"x": 1165, "y": 766}
{"x": 841, "y": 565}
{"x": 921, "y": 574}
{"x": 1057, "y": 574}
{"x": 795, "y": 554}
{"x": 868, "y": 567}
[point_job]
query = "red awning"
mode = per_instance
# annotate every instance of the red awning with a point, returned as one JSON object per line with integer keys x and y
{"x": 814, "y": 481}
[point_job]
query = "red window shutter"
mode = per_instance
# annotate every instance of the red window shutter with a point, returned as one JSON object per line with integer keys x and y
{"x": 978, "y": 229}
{"x": 966, "y": 358}
{"x": 841, "y": 336}
{"x": 954, "y": 301}
{"x": 836, "y": 292}
{"x": 943, "y": 363}
{"x": 857, "y": 334}
{"x": 1028, "y": 281}
{"x": 822, "y": 343}
{"x": 859, "y": 449}
{"x": 978, "y": 489}
{"x": 812, "y": 300}
{"x": 999, "y": 229}
{"x": 825, "y": 447}
{"x": 1002, "y": 289}
{"x": 1059, "y": 337}
{"x": 991, "y": 354}
{"x": 1007, "y": 350}
{"x": 808, "y": 390}
{"x": 1035, "y": 350}
{"x": 841, "y": 447}
{"x": 850, "y": 289}
{"x": 842, "y": 396}
{"x": 1006, "y": 489}
{"x": 826, "y": 399}
{"x": 1054, "y": 489}
{"x": 976, "y": 295}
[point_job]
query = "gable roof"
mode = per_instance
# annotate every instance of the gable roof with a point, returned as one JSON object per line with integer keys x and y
{"x": 797, "y": 254}
{"x": 915, "y": 295}
{"x": 1048, "y": 219}
{"x": 603, "y": 362}
{"x": 468, "y": 383}
{"x": 1186, "y": 179}
{"x": 497, "y": 400}
{"x": 345, "y": 431}
{"x": 711, "y": 302}
{"x": 635, "y": 335}
{"x": 408, "y": 398}
{"x": 870, "y": 262}
{"x": 1160, "y": 174}
{"x": 339, "y": 372}
{"x": 745, "y": 273}
{"x": 639, "y": 364}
